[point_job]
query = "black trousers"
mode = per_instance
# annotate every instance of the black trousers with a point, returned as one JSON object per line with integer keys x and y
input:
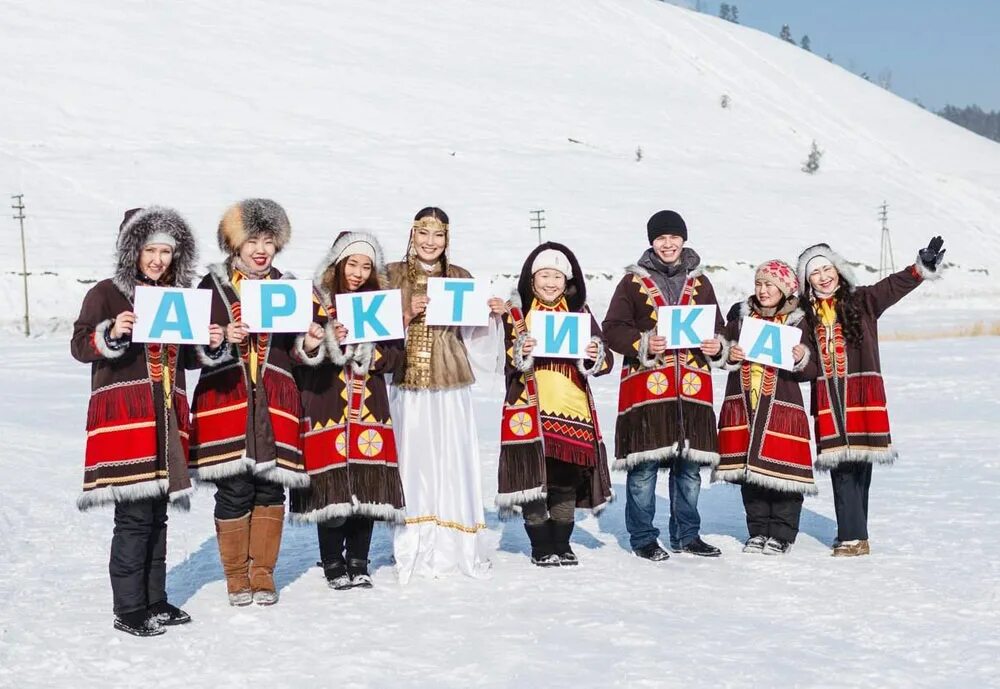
{"x": 353, "y": 534}
{"x": 851, "y": 483}
{"x": 138, "y": 565}
{"x": 236, "y": 496}
{"x": 772, "y": 513}
{"x": 563, "y": 481}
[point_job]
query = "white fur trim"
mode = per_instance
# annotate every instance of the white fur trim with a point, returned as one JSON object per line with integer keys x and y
{"x": 341, "y": 509}
{"x": 364, "y": 354}
{"x": 598, "y": 362}
{"x": 828, "y": 460}
{"x": 522, "y": 363}
{"x": 302, "y": 356}
{"x": 644, "y": 359}
{"x": 741, "y": 476}
{"x": 224, "y": 470}
{"x": 728, "y": 365}
{"x": 639, "y": 271}
{"x": 283, "y": 476}
{"x": 100, "y": 332}
{"x": 721, "y": 358}
{"x": 926, "y": 273}
{"x": 201, "y": 352}
{"x": 708, "y": 459}
{"x": 341, "y": 243}
{"x": 521, "y": 497}
{"x": 338, "y": 356}
{"x": 109, "y": 495}
{"x": 381, "y": 511}
{"x": 634, "y": 459}
{"x": 803, "y": 362}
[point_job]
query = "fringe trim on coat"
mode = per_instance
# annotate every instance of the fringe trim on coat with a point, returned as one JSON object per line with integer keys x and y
{"x": 302, "y": 356}
{"x": 100, "y": 333}
{"x": 741, "y": 476}
{"x": 110, "y": 495}
{"x": 521, "y": 497}
{"x": 283, "y": 476}
{"x": 380, "y": 511}
{"x": 598, "y": 363}
{"x": 340, "y": 510}
{"x": 828, "y": 460}
{"x": 215, "y": 472}
{"x": 702, "y": 457}
{"x": 634, "y": 459}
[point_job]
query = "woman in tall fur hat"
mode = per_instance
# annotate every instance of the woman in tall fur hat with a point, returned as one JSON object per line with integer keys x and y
{"x": 764, "y": 442}
{"x": 435, "y": 426}
{"x": 848, "y": 399}
{"x": 137, "y": 420}
{"x": 246, "y": 436}
{"x": 349, "y": 447}
{"x": 552, "y": 457}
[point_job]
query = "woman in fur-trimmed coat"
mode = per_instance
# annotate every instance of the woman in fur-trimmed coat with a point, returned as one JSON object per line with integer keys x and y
{"x": 137, "y": 419}
{"x": 848, "y": 399}
{"x": 764, "y": 442}
{"x": 247, "y": 413}
{"x": 349, "y": 445}
{"x": 552, "y": 457}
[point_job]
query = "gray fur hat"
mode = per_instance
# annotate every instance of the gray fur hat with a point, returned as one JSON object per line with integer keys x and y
{"x": 137, "y": 227}
{"x": 252, "y": 218}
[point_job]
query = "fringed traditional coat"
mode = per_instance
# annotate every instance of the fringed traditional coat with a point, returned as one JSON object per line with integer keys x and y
{"x": 665, "y": 401}
{"x": 349, "y": 445}
{"x": 529, "y": 433}
{"x": 848, "y": 399}
{"x": 247, "y": 410}
{"x": 763, "y": 426}
{"x": 137, "y": 420}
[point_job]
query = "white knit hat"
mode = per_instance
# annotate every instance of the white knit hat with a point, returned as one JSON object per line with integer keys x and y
{"x": 554, "y": 260}
{"x": 815, "y": 263}
{"x": 359, "y": 248}
{"x": 160, "y": 238}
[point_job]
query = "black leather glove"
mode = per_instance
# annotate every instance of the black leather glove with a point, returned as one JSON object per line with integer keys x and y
{"x": 933, "y": 254}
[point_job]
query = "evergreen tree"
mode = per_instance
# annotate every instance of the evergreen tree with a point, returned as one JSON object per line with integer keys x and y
{"x": 812, "y": 162}
{"x": 724, "y": 11}
{"x": 805, "y": 43}
{"x": 734, "y": 14}
{"x": 786, "y": 34}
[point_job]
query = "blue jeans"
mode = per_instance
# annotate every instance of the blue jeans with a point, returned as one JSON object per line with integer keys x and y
{"x": 640, "y": 503}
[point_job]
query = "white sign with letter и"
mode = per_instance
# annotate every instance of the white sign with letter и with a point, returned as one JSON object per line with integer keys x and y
{"x": 768, "y": 343}
{"x": 371, "y": 316}
{"x": 276, "y": 306}
{"x": 171, "y": 315}
{"x": 458, "y": 301}
{"x": 560, "y": 335}
{"x": 686, "y": 326}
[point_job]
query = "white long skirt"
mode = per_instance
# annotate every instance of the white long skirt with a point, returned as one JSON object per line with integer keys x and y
{"x": 442, "y": 484}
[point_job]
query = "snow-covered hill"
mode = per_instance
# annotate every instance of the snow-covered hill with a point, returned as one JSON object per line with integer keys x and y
{"x": 357, "y": 114}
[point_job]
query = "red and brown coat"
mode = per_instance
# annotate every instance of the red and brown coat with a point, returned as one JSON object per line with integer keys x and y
{"x": 664, "y": 401}
{"x": 848, "y": 399}
{"x": 137, "y": 430}
{"x": 768, "y": 444}
{"x": 349, "y": 445}
{"x": 529, "y": 434}
{"x": 246, "y": 420}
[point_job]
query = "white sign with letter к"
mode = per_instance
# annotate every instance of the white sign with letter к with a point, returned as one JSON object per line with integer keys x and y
{"x": 276, "y": 306}
{"x": 769, "y": 343}
{"x": 371, "y": 316}
{"x": 686, "y": 326}
{"x": 171, "y": 315}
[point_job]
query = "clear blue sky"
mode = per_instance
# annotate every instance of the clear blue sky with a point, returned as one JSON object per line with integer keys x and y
{"x": 940, "y": 51}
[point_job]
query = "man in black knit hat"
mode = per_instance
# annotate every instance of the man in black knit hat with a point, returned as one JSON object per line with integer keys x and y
{"x": 665, "y": 419}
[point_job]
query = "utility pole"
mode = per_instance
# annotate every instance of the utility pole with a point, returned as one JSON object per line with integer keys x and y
{"x": 886, "y": 262}
{"x": 18, "y": 206}
{"x": 538, "y": 222}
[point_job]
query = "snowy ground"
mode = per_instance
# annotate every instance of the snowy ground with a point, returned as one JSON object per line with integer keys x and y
{"x": 923, "y": 610}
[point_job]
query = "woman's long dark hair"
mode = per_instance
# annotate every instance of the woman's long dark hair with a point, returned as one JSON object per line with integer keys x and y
{"x": 848, "y": 314}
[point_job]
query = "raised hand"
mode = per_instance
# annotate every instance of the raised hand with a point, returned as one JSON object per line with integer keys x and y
{"x": 933, "y": 254}
{"x": 237, "y": 332}
{"x": 124, "y": 322}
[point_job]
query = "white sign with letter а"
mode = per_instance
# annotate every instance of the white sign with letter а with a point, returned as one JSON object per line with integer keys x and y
{"x": 560, "y": 335}
{"x": 276, "y": 306}
{"x": 769, "y": 343}
{"x": 458, "y": 301}
{"x": 171, "y": 315}
{"x": 686, "y": 326}
{"x": 371, "y": 316}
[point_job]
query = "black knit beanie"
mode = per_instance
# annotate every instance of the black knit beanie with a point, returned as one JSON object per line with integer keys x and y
{"x": 666, "y": 222}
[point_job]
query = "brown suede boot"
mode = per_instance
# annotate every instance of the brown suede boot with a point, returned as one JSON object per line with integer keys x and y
{"x": 233, "y": 536}
{"x": 266, "y": 523}
{"x": 851, "y": 549}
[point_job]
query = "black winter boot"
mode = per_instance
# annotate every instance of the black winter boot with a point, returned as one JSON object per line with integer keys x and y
{"x": 561, "y": 532}
{"x": 138, "y": 623}
{"x": 542, "y": 552}
{"x": 168, "y": 615}
{"x": 358, "y": 571}
{"x": 336, "y": 574}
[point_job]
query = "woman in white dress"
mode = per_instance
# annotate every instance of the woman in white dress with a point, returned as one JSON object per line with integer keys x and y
{"x": 435, "y": 428}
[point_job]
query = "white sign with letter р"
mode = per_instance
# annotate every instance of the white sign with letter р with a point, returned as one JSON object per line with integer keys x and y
{"x": 276, "y": 306}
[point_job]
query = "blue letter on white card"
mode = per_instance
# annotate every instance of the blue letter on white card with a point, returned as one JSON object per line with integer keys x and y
{"x": 768, "y": 344}
{"x": 172, "y": 302}
{"x": 363, "y": 316}
{"x": 554, "y": 339}
{"x": 684, "y": 324}
{"x": 458, "y": 290}
{"x": 268, "y": 309}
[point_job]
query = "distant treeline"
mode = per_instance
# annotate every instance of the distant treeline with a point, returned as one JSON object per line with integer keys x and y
{"x": 975, "y": 119}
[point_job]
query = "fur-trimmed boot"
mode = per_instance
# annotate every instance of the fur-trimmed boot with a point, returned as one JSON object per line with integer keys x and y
{"x": 542, "y": 552}
{"x": 233, "y": 536}
{"x": 266, "y": 523}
